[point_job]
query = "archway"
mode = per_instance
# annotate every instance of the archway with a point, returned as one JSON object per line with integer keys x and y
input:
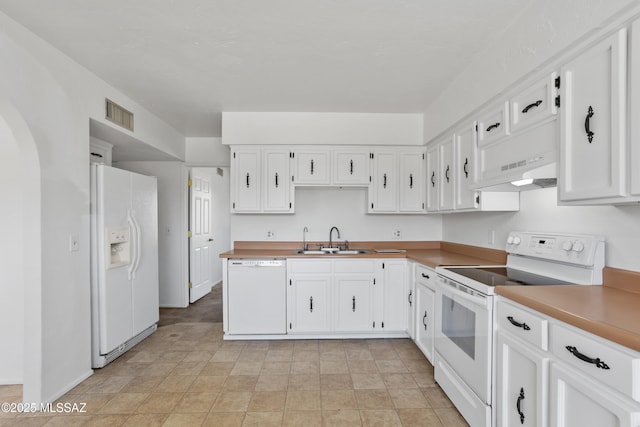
{"x": 20, "y": 255}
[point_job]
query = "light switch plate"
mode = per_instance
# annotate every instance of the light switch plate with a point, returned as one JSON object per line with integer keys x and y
{"x": 74, "y": 243}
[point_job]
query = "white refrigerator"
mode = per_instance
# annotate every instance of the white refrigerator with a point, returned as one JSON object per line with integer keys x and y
{"x": 124, "y": 261}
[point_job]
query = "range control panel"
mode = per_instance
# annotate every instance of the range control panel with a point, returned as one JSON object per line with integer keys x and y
{"x": 574, "y": 248}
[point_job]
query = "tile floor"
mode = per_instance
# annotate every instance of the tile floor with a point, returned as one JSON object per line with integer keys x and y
{"x": 186, "y": 375}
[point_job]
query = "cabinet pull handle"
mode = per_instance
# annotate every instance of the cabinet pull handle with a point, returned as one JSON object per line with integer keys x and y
{"x": 426, "y": 276}
{"x": 599, "y": 363}
{"x": 384, "y": 182}
{"x": 465, "y": 167}
{"x": 433, "y": 179}
{"x": 353, "y": 306}
{"x": 520, "y": 399}
{"x": 410, "y": 180}
{"x": 311, "y": 304}
{"x": 493, "y": 126}
{"x": 446, "y": 173}
{"x": 424, "y": 320}
{"x": 410, "y": 297}
{"x": 518, "y": 325}
{"x": 276, "y": 179}
{"x": 311, "y": 166}
{"x": 530, "y": 106}
{"x": 587, "y": 124}
{"x": 247, "y": 179}
{"x": 351, "y": 167}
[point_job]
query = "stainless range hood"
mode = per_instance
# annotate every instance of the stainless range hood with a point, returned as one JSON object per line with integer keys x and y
{"x": 540, "y": 177}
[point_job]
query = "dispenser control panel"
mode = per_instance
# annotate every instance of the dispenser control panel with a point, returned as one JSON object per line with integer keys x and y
{"x": 118, "y": 246}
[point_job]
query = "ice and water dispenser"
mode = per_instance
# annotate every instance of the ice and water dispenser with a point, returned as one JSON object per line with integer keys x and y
{"x": 118, "y": 247}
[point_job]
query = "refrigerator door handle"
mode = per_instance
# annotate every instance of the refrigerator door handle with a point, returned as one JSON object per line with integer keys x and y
{"x": 135, "y": 259}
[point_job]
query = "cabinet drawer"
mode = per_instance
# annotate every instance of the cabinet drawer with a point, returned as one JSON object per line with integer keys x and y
{"x": 305, "y": 266}
{"x": 602, "y": 360}
{"x": 493, "y": 125}
{"x": 354, "y": 266}
{"x": 534, "y": 104}
{"x": 425, "y": 274}
{"x": 523, "y": 324}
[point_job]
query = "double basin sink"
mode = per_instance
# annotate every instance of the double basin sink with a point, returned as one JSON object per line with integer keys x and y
{"x": 332, "y": 251}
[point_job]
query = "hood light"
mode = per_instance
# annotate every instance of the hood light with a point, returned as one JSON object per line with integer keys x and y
{"x": 522, "y": 182}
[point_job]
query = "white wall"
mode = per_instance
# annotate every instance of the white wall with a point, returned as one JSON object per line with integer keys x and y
{"x": 11, "y": 260}
{"x": 539, "y": 34}
{"x": 56, "y": 97}
{"x": 206, "y": 152}
{"x": 322, "y": 128}
{"x": 540, "y": 212}
{"x": 321, "y": 208}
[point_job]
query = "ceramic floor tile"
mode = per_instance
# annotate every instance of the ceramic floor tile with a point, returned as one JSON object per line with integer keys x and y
{"x": 186, "y": 374}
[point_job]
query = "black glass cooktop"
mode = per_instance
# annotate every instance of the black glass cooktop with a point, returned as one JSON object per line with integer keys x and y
{"x": 502, "y": 276}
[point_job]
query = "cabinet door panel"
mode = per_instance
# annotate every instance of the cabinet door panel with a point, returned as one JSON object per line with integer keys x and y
{"x": 465, "y": 155}
{"x": 433, "y": 179}
{"x": 351, "y": 168}
{"x": 534, "y": 104}
{"x": 412, "y": 182}
{"x": 309, "y": 304}
{"x": 277, "y": 182}
{"x": 246, "y": 181}
{"x": 353, "y": 304}
{"x": 576, "y": 401}
{"x": 312, "y": 167}
{"x": 425, "y": 318}
{"x": 384, "y": 189}
{"x": 593, "y": 122}
{"x": 446, "y": 175}
{"x": 493, "y": 125}
{"x": 522, "y": 383}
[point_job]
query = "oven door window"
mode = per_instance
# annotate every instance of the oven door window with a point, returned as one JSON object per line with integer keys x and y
{"x": 459, "y": 325}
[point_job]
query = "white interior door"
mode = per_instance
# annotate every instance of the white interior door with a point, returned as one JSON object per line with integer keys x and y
{"x": 201, "y": 256}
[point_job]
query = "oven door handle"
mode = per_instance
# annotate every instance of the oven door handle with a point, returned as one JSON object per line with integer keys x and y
{"x": 476, "y": 298}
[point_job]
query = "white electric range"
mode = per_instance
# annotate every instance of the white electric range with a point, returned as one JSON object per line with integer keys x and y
{"x": 464, "y": 309}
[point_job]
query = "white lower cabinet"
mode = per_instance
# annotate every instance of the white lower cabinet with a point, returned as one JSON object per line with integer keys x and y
{"x": 336, "y": 296}
{"x": 425, "y": 278}
{"x": 522, "y": 380}
{"x": 353, "y": 303}
{"x": 578, "y": 401}
{"x": 551, "y": 373}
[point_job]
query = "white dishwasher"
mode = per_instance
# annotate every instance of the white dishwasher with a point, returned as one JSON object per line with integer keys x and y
{"x": 257, "y": 296}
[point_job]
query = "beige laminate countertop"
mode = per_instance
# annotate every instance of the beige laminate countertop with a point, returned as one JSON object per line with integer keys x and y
{"x": 606, "y": 311}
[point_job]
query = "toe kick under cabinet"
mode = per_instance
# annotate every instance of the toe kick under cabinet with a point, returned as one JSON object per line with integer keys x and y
{"x": 552, "y": 374}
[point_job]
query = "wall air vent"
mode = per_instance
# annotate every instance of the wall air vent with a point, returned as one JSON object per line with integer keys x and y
{"x": 118, "y": 115}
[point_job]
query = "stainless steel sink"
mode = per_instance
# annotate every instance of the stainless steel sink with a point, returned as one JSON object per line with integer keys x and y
{"x": 320, "y": 252}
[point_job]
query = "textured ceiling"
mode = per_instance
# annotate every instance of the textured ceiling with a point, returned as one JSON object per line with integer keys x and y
{"x": 188, "y": 60}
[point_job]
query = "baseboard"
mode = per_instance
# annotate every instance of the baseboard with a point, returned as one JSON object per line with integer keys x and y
{"x": 68, "y": 387}
{"x": 11, "y": 381}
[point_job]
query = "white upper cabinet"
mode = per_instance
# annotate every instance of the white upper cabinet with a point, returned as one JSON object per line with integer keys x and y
{"x": 445, "y": 164}
{"x": 634, "y": 112}
{"x": 493, "y": 124}
{"x": 277, "y": 190}
{"x": 245, "y": 180}
{"x": 412, "y": 181}
{"x": 464, "y": 166}
{"x": 351, "y": 167}
{"x": 534, "y": 104}
{"x": 593, "y": 112}
{"x": 433, "y": 178}
{"x": 261, "y": 181}
{"x": 312, "y": 167}
{"x": 383, "y": 193}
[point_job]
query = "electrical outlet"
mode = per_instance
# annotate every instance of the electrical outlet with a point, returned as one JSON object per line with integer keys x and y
{"x": 271, "y": 235}
{"x": 396, "y": 234}
{"x": 491, "y": 237}
{"x": 74, "y": 243}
